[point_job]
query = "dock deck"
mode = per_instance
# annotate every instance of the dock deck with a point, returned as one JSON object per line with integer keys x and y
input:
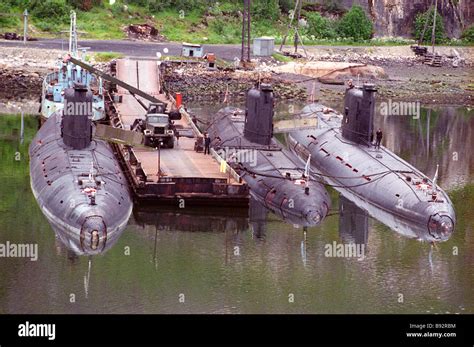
{"x": 184, "y": 173}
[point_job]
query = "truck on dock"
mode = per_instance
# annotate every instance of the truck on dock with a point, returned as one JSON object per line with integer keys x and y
{"x": 157, "y": 127}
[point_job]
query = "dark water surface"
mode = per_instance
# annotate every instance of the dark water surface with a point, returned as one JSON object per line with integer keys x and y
{"x": 233, "y": 261}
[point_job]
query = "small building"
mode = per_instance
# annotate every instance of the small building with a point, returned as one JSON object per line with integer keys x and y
{"x": 263, "y": 46}
{"x": 192, "y": 50}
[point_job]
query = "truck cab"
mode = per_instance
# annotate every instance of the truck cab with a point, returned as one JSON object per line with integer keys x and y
{"x": 157, "y": 127}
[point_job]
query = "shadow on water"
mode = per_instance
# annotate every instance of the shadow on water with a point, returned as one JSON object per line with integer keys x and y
{"x": 248, "y": 261}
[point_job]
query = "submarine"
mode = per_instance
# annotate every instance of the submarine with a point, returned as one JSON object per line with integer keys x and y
{"x": 76, "y": 180}
{"x": 341, "y": 154}
{"x": 245, "y": 140}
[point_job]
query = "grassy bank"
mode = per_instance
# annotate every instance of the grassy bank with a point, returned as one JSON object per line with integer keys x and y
{"x": 219, "y": 23}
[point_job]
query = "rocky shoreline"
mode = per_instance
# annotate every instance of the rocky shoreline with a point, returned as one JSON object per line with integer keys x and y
{"x": 407, "y": 79}
{"x": 197, "y": 83}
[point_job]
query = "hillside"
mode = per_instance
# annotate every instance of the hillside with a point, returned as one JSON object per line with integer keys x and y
{"x": 208, "y": 21}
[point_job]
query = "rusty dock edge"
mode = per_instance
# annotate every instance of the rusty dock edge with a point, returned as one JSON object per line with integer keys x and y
{"x": 175, "y": 191}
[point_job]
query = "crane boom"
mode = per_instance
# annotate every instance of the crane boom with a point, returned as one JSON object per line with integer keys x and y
{"x": 112, "y": 79}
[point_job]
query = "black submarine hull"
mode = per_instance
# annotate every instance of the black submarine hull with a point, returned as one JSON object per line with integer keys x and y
{"x": 82, "y": 192}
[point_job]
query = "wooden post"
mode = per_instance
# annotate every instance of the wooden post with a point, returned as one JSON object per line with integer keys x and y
{"x": 159, "y": 159}
{"x": 22, "y": 128}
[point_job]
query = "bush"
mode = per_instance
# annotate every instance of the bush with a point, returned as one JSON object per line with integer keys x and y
{"x": 265, "y": 9}
{"x": 320, "y": 27}
{"x": 286, "y": 5}
{"x": 468, "y": 34}
{"x": 218, "y": 26}
{"x": 50, "y": 11}
{"x": 84, "y": 5}
{"x": 17, "y": 3}
{"x": 355, "y": 24}
{"x": 419, "y": 24}
{"x": 158, "y": 5}
{"x": 7, "y": 20}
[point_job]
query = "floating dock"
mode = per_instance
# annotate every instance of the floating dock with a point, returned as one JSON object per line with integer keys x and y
{"x": 168, "y": 175}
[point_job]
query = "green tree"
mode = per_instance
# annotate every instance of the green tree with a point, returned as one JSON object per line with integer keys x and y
{"x": 158, "y": 5}
{"x": 265, "y": 9}
{"x": 355, "y": 24}
{"x": 468, "y": 34}
{"x": 50, "y": 11}
{"x": 286, "y": 5}
{"x": 7, "y": 20}
{"x": 319, "y": 27}
{"x": 419, "y": 24}
{"x": 84, "y": 5}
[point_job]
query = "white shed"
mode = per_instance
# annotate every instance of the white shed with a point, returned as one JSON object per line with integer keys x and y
{"x": 263, "y": 46}
{"x": 192, "y": 50}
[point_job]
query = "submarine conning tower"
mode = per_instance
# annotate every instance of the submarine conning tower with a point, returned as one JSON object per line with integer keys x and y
{"x": 76, "y": 123}
{"x": 259, "y": 115}
{"x": 359, "y": 109}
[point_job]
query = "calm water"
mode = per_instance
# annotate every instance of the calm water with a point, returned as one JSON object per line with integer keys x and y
{"x": 236, "y": 261}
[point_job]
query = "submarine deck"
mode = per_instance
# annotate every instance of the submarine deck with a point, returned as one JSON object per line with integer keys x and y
{"x": 183, "y": 172}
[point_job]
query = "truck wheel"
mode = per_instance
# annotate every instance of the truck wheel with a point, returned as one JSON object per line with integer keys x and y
{"x": 147, "y": 141}
{"x": 171, "y": 143}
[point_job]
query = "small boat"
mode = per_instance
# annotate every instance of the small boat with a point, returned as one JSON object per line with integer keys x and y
{"x": 66, "y": 76}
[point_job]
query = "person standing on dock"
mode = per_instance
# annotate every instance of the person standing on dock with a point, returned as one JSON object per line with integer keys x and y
{"x": 378, "y": 136}
{"x": 207, "y": 143}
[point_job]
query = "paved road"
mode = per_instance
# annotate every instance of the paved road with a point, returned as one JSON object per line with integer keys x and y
{"x": 128, "y": 48}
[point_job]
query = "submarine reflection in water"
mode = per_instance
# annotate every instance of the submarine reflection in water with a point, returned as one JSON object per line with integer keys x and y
{"x": 191, "y": 219}
{"x": 343, "y": 156}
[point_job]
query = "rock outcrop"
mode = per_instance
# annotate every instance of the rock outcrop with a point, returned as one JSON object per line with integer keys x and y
{"x": 395, "y": 17}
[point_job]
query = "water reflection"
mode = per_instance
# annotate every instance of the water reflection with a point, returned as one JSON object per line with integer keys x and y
{"x": 247, "y": 265}
{"x": 190, "y": 219}
{"x": 353, "y": 222}
{"x": 258, "y": 219}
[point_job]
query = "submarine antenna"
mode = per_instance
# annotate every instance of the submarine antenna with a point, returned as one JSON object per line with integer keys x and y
{"x": 306, "y": 170}
{"x": 91, "y": 172}
{"x": 435, "y": 178}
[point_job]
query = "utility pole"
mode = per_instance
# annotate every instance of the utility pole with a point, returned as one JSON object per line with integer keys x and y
{"x": 25, "y": 25}
{"x": 246, "y": 33}
{"x": 295, "y": 14}
{"x": 73, "y": 36}
{"x": 297, "y": 34}
{"x": 422, "y": 37}
{"x": 433, "y": 37}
